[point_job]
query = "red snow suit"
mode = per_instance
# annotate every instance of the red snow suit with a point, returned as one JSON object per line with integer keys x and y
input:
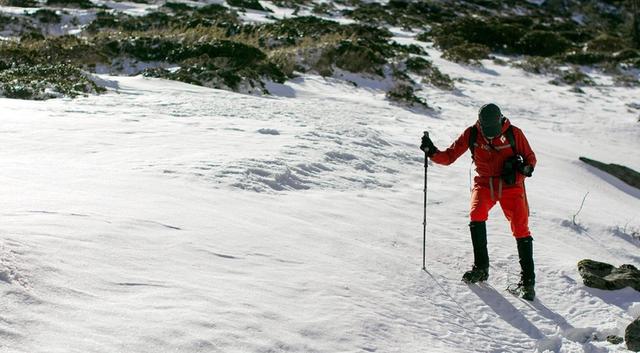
{"x": 488, "y": 187}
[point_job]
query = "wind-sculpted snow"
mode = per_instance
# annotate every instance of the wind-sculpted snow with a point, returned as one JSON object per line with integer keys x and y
{"x": 164, "y": 217}
{"x": 315, "y": 146}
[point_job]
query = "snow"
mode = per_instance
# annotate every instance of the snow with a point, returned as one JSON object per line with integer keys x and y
{"x": 166, "y": 217}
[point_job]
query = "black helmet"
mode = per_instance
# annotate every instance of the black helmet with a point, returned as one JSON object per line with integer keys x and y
{"x": 490, "y": 119}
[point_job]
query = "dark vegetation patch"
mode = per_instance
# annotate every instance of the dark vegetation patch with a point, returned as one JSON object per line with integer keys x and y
{"x": 325, "y": 8}
{"x": 292, "y": 4}
{"x": 247, "y": 4}
{"x": 539, "y": 65}
{"x": 467, "y": 53}
{"x": 173, "y": 17}
{"x": 47, "y": 16}
{"x": 80, "y": 4}
{"x": 64, "y": 49}
{"x": 543, "y": 43}
{"x": 208, "y": 45}
{"x": 573, "y": 77}
{"x": 44, "y": 81}
{"x": 418, "y": 14}
{"x": 19, "y": 3}
{"x": 429, "y": 73}
{"x": 463, "y": 30}
{"x": 404, "y": 94}
{"x": 177, "y": 7}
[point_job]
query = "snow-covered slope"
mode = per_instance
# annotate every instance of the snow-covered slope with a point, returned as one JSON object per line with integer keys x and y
{"x": 164, "y": 217}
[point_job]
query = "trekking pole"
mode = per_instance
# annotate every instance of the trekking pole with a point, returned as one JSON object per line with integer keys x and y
{"x": 424, "y": 220}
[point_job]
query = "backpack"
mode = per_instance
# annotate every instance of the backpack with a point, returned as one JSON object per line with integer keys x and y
{"x": 474, "y": 136}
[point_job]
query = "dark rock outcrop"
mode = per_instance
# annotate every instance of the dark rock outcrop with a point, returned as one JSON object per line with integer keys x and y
{"x": 632, "y": 336}
{"x": 628, "y": 175}
{"x": 605, "y": 276}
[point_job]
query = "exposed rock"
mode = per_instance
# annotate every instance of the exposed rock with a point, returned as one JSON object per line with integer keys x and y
{"x": 621, "y": 172}
{"x": 632, "y": 336}
{"x": 613, "y": 339}
{"x": 605, "y": 276}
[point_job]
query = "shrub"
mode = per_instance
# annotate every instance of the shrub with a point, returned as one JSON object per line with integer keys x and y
{"x": 606, "y": 43}
{"x": 418, "y": 65}
{"x": 235, "y": 53}
{"x": 439, "y": 79}
{"x": 212, "y": 9}
{"x": 448, "y": 41}
{"x": 4, "y": 20}
{"x": 356, "y": 56}
{"x": 626, "y": 54}
{"x": 494, "y": 34}
{"x": 286, "y": 61}
{"x": 577, "y": 35}
{"x": 154, "y": 20}
{"x": 140, "y": 48}
{"x": 292, "y": 4}
{"x": 32, "y": 36}
{"x": 324, "y": 8}
{"x": 586, "y": 58}
{"x": 424, "y": 36}
{"x": 208, "y": 76}
{"x": 214, "y": 76}
{"x": 207, "y": 16}
{"x": 47, "y": 16}
{"x": 573, "y": 77}
{"x": 543, "y": 43}
{"x": 82, "y": 4}
{"x": 104, "y": 20}
{"x": 372, "y": 13}
{"x": 63, "y": 49}
{"x": 405, "y": 95}
{"x": 19, "y": 3}
{"x": 247, "y": 4}
{"x": 177, "y": 7}
{"x": 429, "y": 73}
{"x": 407, "y": 14}
{"x": 538, "y": 65}
{"x": 46, "y": 81}
{"x": 291, "y": 31}
{"x": 467, "y": 54}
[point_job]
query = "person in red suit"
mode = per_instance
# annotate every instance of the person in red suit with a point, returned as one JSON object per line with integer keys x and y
{"x": 503, "y": 158}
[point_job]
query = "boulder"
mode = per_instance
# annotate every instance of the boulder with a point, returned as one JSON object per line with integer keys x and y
{"x": 626, "y": 174}
{"x": 605, "y": 276}
{"x": 632, "y": 336}
{"x": 613, "y": 339}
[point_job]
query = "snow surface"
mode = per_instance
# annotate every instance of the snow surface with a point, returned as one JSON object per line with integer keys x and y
{"x": 165, "y": 217}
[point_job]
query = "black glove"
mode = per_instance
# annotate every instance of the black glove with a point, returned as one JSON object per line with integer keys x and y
{"x": 526, "y": 169}
{"x": 428, "y": 146}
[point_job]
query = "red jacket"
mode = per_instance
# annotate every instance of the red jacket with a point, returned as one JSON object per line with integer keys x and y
{"x": 489, "y": 158}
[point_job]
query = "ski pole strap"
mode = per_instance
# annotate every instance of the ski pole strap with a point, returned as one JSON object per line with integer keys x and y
{"x": 473, "y": 136}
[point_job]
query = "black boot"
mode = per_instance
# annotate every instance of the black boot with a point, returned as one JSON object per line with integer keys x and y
{"x": 480, "y": 270}
{"x": 527, "y": 276}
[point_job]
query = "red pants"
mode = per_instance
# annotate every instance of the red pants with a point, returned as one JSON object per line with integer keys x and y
{"x": 513, "y": 203}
